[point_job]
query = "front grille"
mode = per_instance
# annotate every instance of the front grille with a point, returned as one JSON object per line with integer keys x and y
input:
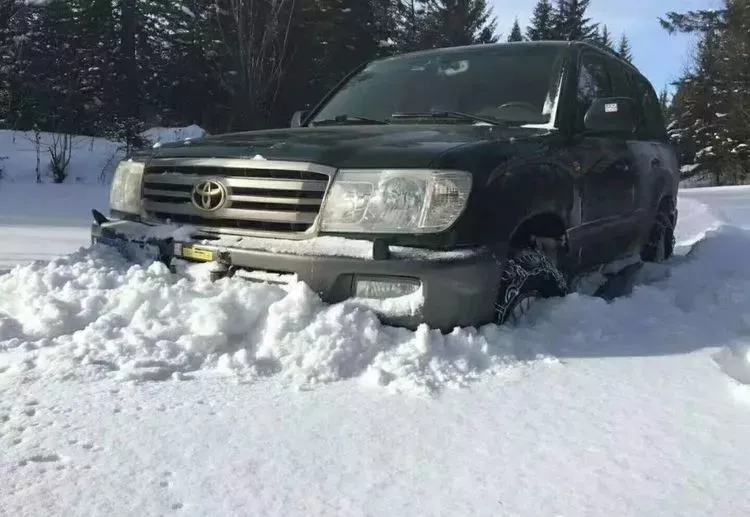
{"x": 258, "y": 196}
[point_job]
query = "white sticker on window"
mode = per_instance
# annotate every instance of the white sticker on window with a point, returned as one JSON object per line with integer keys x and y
{"x": 610, "y": 108}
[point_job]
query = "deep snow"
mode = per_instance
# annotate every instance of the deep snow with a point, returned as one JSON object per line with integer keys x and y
{"x": 636, "y": 407}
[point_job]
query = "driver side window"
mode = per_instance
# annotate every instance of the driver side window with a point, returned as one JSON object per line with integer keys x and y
{"x": 593, "y": 83}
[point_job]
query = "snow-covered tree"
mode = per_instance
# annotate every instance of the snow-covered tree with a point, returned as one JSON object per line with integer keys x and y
{"x": 711, "y": 107}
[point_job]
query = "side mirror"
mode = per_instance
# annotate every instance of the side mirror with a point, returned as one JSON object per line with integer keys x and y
{"x": 611, "y": 115}
{"x": 297, "y": 118}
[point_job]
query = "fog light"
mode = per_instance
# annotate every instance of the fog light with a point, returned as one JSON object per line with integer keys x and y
{"x": 384, "y": 287}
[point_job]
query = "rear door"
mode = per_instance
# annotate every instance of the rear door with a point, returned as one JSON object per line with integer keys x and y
{"x": 608, "y": 175}
{"x": 655, "y": 159}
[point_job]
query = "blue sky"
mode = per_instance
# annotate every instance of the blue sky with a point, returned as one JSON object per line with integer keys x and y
{"x": 658, "y": 55}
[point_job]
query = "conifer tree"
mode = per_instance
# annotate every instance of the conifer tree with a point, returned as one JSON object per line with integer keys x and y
{"x": 542, "y": 26}
{"x": 458, "y": 22}
{"x": 571, "y": 23}
{"x": 604, "y": 39}
{"x": 624, "y": 50}
{"x": 515, "y": 32}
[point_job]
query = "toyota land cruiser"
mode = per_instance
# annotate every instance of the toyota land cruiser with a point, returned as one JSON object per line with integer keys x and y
{"x": 450, "y": 187}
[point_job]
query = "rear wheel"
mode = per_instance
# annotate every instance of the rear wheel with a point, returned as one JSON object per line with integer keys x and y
{"x": 528, "y": 275}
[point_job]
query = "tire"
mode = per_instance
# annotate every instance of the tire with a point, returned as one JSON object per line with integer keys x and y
{"x": 527, "y": 275}
{"x": 661, "y": 240}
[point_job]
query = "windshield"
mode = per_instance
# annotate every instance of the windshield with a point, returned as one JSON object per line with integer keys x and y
{"x": 512, "y": 83}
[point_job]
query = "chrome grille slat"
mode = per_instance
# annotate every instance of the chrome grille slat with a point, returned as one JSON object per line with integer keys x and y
{"x": 262, "y": 196}
{"x": 276, "y": 200}
{"x": 152, "y": 192}
{"x": 254, "y": 183}
{"x": 235, "y": 213}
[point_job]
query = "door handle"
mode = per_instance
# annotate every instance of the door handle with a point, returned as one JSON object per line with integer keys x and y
{"x": 656, "y": 162}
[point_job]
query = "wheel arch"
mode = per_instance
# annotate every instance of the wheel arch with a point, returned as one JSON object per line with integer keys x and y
{"x": 543, "y": 223}
{"x": 531, "y": 198}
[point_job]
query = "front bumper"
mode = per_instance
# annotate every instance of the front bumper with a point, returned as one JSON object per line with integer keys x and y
{"x": 455, "y": 292}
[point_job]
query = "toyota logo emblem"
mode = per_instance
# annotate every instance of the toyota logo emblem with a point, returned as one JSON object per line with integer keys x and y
{"x": 209, "y": 195}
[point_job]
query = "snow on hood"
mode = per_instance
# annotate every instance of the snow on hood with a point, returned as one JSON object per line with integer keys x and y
{"x": 92, "y": 314}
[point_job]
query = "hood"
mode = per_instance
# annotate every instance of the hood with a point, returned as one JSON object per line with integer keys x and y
{"x": 396, "y": 145}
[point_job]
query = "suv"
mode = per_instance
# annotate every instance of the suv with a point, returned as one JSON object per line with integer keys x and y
{"x": 450, "y": 187}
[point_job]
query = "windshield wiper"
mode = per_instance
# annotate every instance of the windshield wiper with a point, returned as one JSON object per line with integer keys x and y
{"x": 348, "y": 119}
{"x": 449, "y": 114}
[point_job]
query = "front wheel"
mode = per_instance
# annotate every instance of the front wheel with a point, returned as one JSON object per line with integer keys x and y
{"x": 661, "y": 239}
{"x": 527, "y": 276}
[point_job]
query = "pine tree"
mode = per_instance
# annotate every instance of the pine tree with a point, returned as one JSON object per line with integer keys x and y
{"x": 515, "y": 32}
{"x": 695, "y": 21}
{"x": 604, "y": 39}
{"x": 410, "y": 20}
{"x": 458, "y": 22}
{"x": 624, "y": 50}
{"x": 571, "y": 23}
{"x": 664, "y": 101}
{"x": 542, "y": 22}
{"x": 699, "y": 111}
{"x": 711, "y": 107}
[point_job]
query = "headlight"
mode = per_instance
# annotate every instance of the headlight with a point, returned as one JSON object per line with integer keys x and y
{"x": 125, "y": 194}
{"x": 395, "y": 201}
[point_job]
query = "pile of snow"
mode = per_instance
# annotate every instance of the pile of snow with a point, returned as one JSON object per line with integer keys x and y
{"x": 734, "y": 361}
{"x": 695, "y": 220}
{"x": 92, "y": 159}
{"x": 91, "y": 313}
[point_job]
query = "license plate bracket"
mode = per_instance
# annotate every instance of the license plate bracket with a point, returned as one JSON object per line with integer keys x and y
{"x": 192, "y": 253}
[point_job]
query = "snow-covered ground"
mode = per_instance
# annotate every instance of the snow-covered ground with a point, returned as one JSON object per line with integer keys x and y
{"x": 126, "y": 391}
{"x": 92, "y": 159}
{"x": 56, "y": 217}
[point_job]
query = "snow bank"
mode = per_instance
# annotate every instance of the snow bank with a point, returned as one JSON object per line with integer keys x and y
{"x": 91, "y": 314}
{"x": 695, "y": 220}
{"x": 92, "y": 159}
{"x": 735, "y": 362}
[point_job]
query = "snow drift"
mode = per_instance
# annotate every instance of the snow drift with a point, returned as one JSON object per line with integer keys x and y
{"x": 91, "y": 314}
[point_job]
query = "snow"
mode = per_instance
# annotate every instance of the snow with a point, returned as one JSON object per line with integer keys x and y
{"x": 127, "y": 390}
{"x": 45, "y": 221}
{"x": 167, "y": 134}
{"x": 56, "y": 217}
{"x": 92, "y": 159}
{"x": 690, "y": 167}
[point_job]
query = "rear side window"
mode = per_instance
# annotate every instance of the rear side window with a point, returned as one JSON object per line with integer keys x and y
{"x": 593, "y": 83}
{"x": 652, "y": 125}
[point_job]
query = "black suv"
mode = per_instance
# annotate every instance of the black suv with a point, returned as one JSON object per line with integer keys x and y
{"x": 449, "y": 187}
